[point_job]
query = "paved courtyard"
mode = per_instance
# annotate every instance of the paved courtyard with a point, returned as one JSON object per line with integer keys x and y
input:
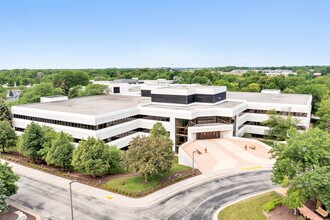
{"x": 236, "y": 153}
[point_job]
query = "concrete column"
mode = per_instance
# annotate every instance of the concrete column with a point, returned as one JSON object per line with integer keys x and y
{"x": 172, "y": 131}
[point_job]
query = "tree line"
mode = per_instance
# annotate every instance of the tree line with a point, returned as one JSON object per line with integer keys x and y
{"x": 149, "y": 156}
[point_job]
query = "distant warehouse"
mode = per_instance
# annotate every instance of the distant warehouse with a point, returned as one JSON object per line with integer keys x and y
{"x": 187, "y": 112}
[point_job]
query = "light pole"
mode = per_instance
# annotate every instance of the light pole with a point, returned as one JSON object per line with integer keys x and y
{"x": 195, "y": 151}
{"x": 71, "y": 204}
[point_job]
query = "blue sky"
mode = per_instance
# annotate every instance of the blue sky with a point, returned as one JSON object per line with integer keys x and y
{"x": 151, "y": 33}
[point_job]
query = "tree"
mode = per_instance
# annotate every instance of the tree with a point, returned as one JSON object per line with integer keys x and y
{"x": 49, "y": 134}
{"x": 70, "y": 78}
{"x": 279, "y": 125}
{"x": 158, "y": 130}
{"x": 34, "y": 93}
{"x": 60, "y": 153}
{"x": 8, "y": 137}
{"x": 74, "y": 91}
{"x": 314, "y": 184}
{"x": 115, "y": 159}
{"x": 32, "y": 141}
{"x": 230, "y": 86}
{"x": 92, "y": 156}
{"x": 293, "y": 199}
{"x": 5, "y": 114}
{"x": 253, "y": 87}
{"x": 3, "y": 197}
{"x": 8, "y": 185}
{"x": 323, "y": 112}
{"x": 200, "y": 80}
{"x": 94, "y": 89}
{"x": 150, "y": 156}
{"x": 318, "y": 91}
{"x": 303, "y": 166}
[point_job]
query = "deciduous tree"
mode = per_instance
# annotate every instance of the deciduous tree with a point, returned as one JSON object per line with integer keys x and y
{"x": 5, "y": 114}
{"x": 92, "y": 156}
{"x": 8, "y": 137}
{"x": 279, "y": 125}
{"x": 60, "y": 152}
{"x": 158, "y": 130}
{"x": 9, "y": 178}
{"x": 323, "y": 112}
{"x": 303, "y": 166}
{"x": 49, "y": 135}
{"x": 151, "y": 156}
{"x": 32, "y": 141}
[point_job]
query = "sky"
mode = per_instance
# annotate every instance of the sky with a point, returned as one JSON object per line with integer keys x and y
{"x": 168, "y": 33}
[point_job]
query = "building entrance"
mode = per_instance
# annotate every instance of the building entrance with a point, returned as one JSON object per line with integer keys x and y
{"x": 208, "y": 135}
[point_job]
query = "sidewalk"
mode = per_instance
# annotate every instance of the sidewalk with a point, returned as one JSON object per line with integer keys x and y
{"x": 116, "y": 198}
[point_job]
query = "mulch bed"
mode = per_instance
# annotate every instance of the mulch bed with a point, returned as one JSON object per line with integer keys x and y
{"x": 83, "y": 178}
{"x": 10, "y": 214}
{"x": 182, "y": 173}
{"x": 80, "y": 177}
{"x": 281, "y": 213}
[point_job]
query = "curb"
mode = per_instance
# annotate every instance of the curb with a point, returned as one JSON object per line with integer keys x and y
{"x": 216, "y": 213}
{"x": 156, "y": 196}
{"x": 221, "y": 175}
{"x": 24, "y": 209}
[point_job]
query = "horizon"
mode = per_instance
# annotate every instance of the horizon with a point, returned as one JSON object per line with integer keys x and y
{"x": 168, "y": 67}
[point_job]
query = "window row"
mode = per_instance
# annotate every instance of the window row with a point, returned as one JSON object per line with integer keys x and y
{"x": 284, "y": 113}
{"x": 77, "y": 140}
{"x": 91, "y": 127}
{"x": 126, "y": 134}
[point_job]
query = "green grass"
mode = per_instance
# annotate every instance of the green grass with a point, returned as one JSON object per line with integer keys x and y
{"x": 248, "y": 209}
{"x": 136, "y": 183}
{"x": 270, "y": 143}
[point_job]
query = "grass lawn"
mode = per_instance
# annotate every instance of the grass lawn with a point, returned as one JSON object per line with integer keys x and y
{"x": 136, "y": 183}
{"x": 248, "y": 209}
{"x": 270, "y": 143}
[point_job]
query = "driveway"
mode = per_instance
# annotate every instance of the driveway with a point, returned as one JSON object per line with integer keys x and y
{"x": 196, "y": 202}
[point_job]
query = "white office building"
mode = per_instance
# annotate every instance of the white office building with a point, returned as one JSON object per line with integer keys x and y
{"x": 187, "y": 112}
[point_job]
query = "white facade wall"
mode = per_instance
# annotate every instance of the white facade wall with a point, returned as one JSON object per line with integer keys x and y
{"x": 171, "y": 112}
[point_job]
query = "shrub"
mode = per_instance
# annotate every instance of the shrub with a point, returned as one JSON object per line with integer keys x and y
{"x": 269, "y": 206}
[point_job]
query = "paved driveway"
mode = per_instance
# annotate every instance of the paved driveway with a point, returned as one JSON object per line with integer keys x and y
{"x": 197, "y": 202}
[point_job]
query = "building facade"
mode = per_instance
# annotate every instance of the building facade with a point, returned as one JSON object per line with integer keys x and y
{"x": 187, "y": 113}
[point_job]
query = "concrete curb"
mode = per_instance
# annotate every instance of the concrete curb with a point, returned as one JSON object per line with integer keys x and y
{"x": 127, "y": 201}
{"x": 216, "y": 213}
{"x": 24, "y": 209}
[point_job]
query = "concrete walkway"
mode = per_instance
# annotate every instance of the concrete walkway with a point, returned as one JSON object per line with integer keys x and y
{"x": 224, "y": 154}
{"x": 113, "y": 198}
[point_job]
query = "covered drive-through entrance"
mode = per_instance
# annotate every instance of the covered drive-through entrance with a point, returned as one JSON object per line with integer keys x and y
{"x": 208, "y": 135}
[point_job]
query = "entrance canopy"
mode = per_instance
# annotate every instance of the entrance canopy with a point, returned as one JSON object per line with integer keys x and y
{"x": 208, "y": 131}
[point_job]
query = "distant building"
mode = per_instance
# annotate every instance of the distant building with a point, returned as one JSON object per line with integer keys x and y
{"x": 317, "y": 74}
{"x": 236, "y": 72}
{"x": 279, "y": 72}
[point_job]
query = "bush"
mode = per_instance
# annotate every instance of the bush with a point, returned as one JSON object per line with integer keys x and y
{"x": 247, "y": 135}
{"x": 269, "y": 206}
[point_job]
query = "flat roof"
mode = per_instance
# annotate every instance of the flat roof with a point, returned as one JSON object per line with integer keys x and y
{"x": 102, "y": 104}
{"x": 282, "y": 98}
{"x": 91, "y": 105}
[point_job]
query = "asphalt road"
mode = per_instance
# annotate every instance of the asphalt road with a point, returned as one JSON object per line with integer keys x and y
{"x": 197, "y": 202}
